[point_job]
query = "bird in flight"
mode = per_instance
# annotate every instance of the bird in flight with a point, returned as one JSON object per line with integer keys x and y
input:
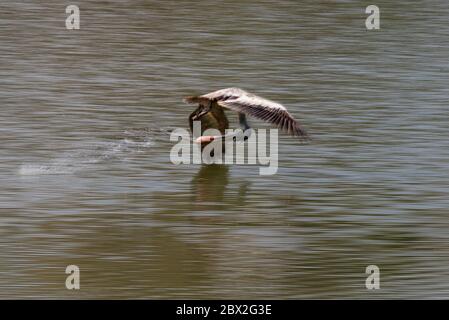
{"x": 211, "y": 105}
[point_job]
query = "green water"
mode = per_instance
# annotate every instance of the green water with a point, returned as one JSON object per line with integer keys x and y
{"x": 86, "y": 177}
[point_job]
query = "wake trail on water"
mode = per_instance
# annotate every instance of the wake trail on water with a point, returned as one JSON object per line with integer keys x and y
{"x": 85, "y": 156}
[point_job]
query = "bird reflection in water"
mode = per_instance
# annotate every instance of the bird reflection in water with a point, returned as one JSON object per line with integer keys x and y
{"x": 209, "y": 185}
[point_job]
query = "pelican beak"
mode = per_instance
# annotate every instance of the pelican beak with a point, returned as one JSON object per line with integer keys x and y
{"x": 205, "y": 139}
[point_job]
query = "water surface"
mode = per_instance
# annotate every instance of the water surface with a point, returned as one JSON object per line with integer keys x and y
{"x": 86, "y": 177}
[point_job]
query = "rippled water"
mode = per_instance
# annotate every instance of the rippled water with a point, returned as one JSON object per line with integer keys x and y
{"x": 86, "y": 177}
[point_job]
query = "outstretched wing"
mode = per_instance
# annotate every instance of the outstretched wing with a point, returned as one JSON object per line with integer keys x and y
{"x": 241, "y": 101}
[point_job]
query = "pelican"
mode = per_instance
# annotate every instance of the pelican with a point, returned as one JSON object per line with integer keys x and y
{"x": 211, "y": 112}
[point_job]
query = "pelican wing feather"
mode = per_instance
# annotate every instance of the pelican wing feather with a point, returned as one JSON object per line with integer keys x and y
{"x": 238, "y": 100}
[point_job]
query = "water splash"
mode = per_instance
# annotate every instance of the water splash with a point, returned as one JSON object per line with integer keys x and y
{"x": 134, "y": 141}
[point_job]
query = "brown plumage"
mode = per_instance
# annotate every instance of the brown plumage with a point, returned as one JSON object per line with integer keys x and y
{"x": 243, "y": 102}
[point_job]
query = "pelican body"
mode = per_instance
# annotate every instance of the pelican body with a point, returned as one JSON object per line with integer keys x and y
{"x": 214, "y": 118}
{"x": 211, "y": 107}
